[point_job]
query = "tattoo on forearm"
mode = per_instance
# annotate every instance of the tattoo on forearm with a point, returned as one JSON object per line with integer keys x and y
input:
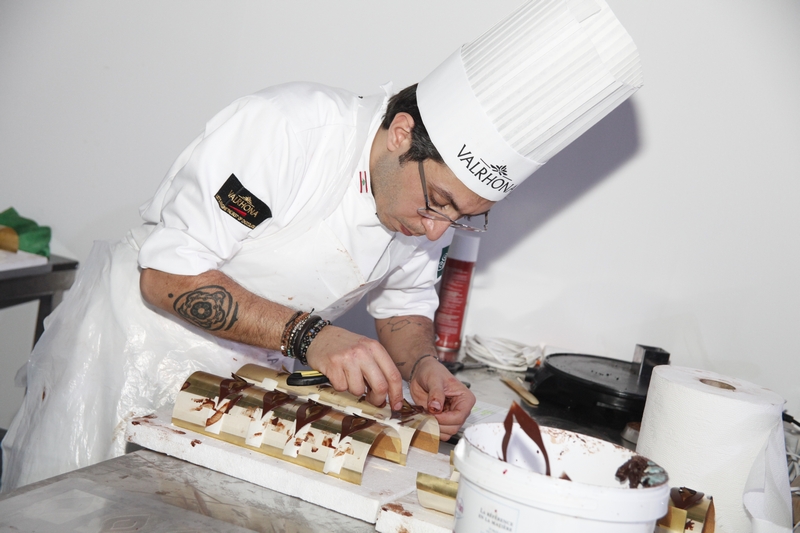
{"x": 211, "y": 307}
{"x": 234, "y": 317}
{"x": 398, "y": 323}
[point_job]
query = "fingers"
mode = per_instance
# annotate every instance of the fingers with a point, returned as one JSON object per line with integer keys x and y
{"x": 354, "y": 380}
{"x": 356, "y": 364}
{"x": 455, "y": 414}
{"x": 373, "y": 380}
{"x": 449, "y": 416}
{"x": 371, "y": 370}
{"x": 394, "y": 381}
{"x": 444, "y": 396}
{"x": 436, "y": 398}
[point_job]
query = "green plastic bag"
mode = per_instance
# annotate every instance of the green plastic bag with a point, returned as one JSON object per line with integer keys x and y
{"x": 33, "y": 238}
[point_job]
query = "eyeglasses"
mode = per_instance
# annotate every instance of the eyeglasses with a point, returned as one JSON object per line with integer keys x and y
{"x": 432, "y": 214}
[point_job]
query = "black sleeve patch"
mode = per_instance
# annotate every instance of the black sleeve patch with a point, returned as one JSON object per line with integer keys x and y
{"x": 241, "y": 204}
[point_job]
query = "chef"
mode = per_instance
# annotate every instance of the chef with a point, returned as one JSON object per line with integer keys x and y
{"x": 292, "y": 205}
{"x": 285, "y": 222}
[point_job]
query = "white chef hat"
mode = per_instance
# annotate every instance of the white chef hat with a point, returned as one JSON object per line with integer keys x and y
{"x": 501, "y": 106}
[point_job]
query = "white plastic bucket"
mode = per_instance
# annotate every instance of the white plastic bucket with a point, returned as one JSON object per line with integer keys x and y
{"x": 496, "y": 496}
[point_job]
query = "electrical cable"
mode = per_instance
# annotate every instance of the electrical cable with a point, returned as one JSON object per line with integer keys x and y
{"x": 502, "y": 354}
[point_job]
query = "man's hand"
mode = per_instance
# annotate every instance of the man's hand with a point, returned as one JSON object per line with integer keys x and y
{"x": 434, "y": 387}
{"x": 409, "y": 340}
{"x": 356, "y": 364}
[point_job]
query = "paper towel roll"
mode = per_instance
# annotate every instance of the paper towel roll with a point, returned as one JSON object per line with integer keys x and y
{"x": 722, "y": 436}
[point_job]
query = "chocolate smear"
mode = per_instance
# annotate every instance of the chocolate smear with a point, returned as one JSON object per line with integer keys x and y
{"x": 639, "y": 470}
{"x": 396, "y": 508}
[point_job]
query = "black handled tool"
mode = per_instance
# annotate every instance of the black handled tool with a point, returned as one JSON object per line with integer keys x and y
{"x": 306, "y": 377}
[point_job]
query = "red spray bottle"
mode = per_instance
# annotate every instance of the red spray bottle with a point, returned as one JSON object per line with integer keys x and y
{"x": 453, "y": 294}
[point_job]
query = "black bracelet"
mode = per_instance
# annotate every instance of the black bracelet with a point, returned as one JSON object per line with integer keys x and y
{"x": 311, "y": 328}
{"x": 297, "y": 339}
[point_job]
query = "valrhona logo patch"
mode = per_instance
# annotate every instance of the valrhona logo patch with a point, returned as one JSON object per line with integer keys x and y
{"x": 495, "y": 176}
{"x": 241, "y": 204}
{"x": 442, "y": 260}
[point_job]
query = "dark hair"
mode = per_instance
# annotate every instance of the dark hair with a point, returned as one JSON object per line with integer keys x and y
{"x": 421, "y": 146}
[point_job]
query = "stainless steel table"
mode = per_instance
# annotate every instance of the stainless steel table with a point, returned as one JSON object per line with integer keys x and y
{"x": 153, "y": 490}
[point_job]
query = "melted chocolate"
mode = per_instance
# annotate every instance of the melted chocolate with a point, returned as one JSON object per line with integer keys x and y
{"x": 632, "y": 471}
{"x": 529, "y": 426}
{"x": 639, "y": 470}
{"x": 228, "y": 387}
{"x": 228, "y": 390}
{"x": 310, "y": 412}
{"x": 683, "y": 498}
{"x": 273, "y": 399}
{"x": 352, "y": 423}
{"x": 407, "y": 411}
{"x": 233, "y": 401}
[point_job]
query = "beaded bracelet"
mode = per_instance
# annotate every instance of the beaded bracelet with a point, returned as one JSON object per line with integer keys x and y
{"x": 291, "y": 343}
{"x": 297, "y": 318}
{"x": 287, "y": 331}
{"x": 311, "y": 329}
{"x": 297, "y": 345}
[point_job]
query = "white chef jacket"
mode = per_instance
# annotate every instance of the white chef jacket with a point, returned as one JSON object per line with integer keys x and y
{"x": 297, "y": 152}
{"x": 106, "y": 356}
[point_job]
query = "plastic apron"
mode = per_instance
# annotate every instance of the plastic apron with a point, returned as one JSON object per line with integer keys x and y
{"x": 106, "y": 356}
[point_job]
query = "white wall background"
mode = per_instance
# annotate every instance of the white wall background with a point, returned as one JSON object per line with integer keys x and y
{"x": 674, "y": 222}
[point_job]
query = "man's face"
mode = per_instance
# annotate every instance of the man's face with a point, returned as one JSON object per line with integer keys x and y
{"x": 397, "y": 189}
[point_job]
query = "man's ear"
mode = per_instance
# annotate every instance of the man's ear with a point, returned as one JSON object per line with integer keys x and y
{"x": 398, "y": 137}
